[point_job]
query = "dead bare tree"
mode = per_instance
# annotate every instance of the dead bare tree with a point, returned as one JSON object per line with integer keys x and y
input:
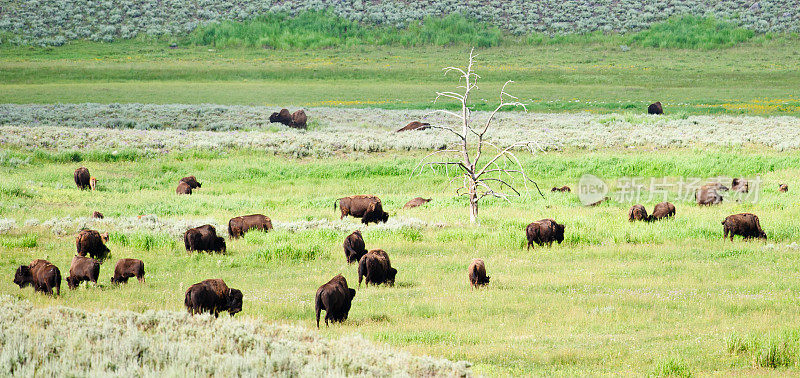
{"x": 493, "y": 178}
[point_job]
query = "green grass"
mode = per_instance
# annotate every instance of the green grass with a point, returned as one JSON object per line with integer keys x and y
{"x": 692, "y": 32}
{"x": 615, "y": 298}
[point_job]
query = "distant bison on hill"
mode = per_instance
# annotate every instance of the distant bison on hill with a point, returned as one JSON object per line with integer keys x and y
{"x": 335, "y": 297}
{"x": 544, "y": 231}
{"x": 83, "y": 269}
{"x": 368, "y": 208}
{"x": 238, "y": 226}
{"x": 655, "y": 108}
{"x": 82, "y": 178}
{"x": 561, "y": 189}
{"x": 97, "y": 215}
{"x": 354, "y": 247}
{"x": 203, "y": 238}
{"x": 414, "y": 125}
{"x": 661, "y": 211}
{"x": 783, "y": 188}
{"x": 376, "y": 268}
{"x": 416, "y": 202}
{"x": 213, "y": 296}
{"x": 745, "y": 225}
{"x": 127, "y": 268}
{"x": 297, "y": 119}
{"x": 477, "y": 273}
{"x": 43, "y": 275}
{"x": 92, "y": 243}
{"x": 637, "y": 213}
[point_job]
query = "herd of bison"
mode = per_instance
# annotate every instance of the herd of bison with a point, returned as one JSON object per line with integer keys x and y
{"x": 335, "y": 296}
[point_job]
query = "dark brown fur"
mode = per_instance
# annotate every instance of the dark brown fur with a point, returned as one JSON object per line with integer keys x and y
{"x": 183, "y": 188}
{"x": 544, "y": 231}
{"x": 368, "y": 208}
{"x": 92, "y": 243}
{"x": 212, "y": 296}
{"x": 416, "y": 202}
{"x": 283, "y": 116}
{"x": 740, "y": 185}
{"x": 561, "y": 189}
{"x": 97, "y": 215}
{"x": 191, "y": 181}
{"x": 354, "y": 247}
{"x": 655, "y": 108}
{"x": 83, "y": 269}
{"x": 82, "y": 178}
{"x": 127, "y": 268}
{"x": 783, "y": 188}
{"x": 238, "y": 226}
{"x": 477, "y": 273}
{"x": 376, "y": 268}
{"x": 203, "y": 238}
{"x": 335, "y": 297}
{"x": 43, "y": 275}
{"x": 299, "y": 119}
{"x": 708, "y": 194}
{"x": 661, "y": 211}
{"x": 637, "y": 213}
{"x": 415, "y": 125}
{"x": 744, "y": 224}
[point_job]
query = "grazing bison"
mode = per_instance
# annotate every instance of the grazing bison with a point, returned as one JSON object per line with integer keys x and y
{"x": 477, "y": 273}
{"x": 544, "y": 231}
{"x": 43, "y": 275}
{"x": 92, "y": 243}
{"x": 709, "y": 194}
{"x": 740, "y": 185}
{"x": 183, "y": 188}
{"x": 203, "y": 238}
{"x": 368, "y": 208}
{"x": 415, "y": 125}
{"x": 561, "y": 189}
{"x": 283, "y": 117}
{"x": 661, "y": 211}
{"x": 238, "y": 226}
{"x": 637, "y": 213}
{"x": 83, "y": 269}
{"x": 335, "y": 297}
{"x": 299, "y": 119}
{"x": 354, "y": 247}
{"x": 127, "y": 268}
{"x": 783, "y": 188}
{"x": 416, "y": 202}
{"x": 744, "y": 224}
{"x": 213, "y": 296}
{"x": 191, "y": 181}
{"x": 596, "y": 203}
{"x": 97, "y": 215}
{"x": 82, "y": 178}
{"x": 655, "y": 108}
{"x": 376, "y": 268}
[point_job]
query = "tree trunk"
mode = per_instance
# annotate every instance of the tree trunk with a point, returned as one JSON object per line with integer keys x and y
{"x": 473, "y": 206}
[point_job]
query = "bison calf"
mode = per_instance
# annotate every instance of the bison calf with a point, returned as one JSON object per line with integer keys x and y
{"x": 335, "y": 297}
{"x": 477, "y": 273}
{"x": 83, "y": 269}
{"x": 82, "y": 178}
{"x": 368, "y": 208}
{"x": 376, "y": 268}
{"x": 544, "y": 231}
{"x": 661, "y": 211}
{"x": 637, "y": 213}
{"x": 203, "y": 238}
{"x": 127, "y": 268}
{"x": 92, "y": 243}
{"x": 416, "y": 202}
{"x": 43, "y": 275}
{"x": 744, "y": 224}
{"x": 238, "y": 226}
{"x": 354, "y": 247}
{"x": 213, "y": 296}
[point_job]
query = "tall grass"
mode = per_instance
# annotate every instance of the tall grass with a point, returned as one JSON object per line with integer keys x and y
{"x": 692, "y": 32}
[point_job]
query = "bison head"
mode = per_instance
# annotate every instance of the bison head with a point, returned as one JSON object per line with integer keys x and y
{"x": 23, "y": 277}
{"x": 72, "y": 282}
{"x": 559, "y": 233}
{"x": 762, "y": 235}
{"x": 352, "y": 293}
{"x": 384, "y": 217}
{"x": 390, "y": 275}
{"x": 219, "y": 245}
{"x": 234, "y": 301}
{"x": 274, "y": 117}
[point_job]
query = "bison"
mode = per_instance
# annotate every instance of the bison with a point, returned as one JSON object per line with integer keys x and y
{"x": 416, "y": 202}
{"x": 661, "y": 211}
{"x": 415, "y": 125}
{"x": 183, "y": 188}
{"x": 92, "y": 243}
{"x": 709, "y": 194}
{"x": 354, "y": 247}
{"x": 740, "y": 185}
{"x": 238, "y": 226}
{"x": 783, "y": 188}
{"x": 43, "y": 275}
{"x": 127, "y": 268}
{"x": 212, "y": 296}
{"x": 477, "y": 273}
{"x": 637, "y": 213}
{"x": 203, "y": 238}
{"x": 299, "y": 119}
{"x": 655, "y": 108}
{"x": 82, "y": 178}
{"x": 376, "y": 268}
{"x": 191, "y": 181}
{"x": 368, "y": 208}
{"x": 97, "y": 215}
{"x": 283, "y": 116}
{"x": 544, "y": 231}
{"x": 83, "y": 269}
{"x": 744, "y": 224}
{"x": 335, "y": 297}
{"x": 561, "y": 189}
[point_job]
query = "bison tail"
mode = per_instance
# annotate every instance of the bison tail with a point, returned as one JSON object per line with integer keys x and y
{"x": 318, "y": 308}
{"x": 186, "y": 242}
{"x": 230, "y": 230}
{"x": 335, "y": 203}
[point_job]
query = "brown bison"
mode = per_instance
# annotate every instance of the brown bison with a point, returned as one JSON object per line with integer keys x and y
{"x": 127, "y": 268}
{"x": 368, "y": 208}
{"x": 709, "y": 194}
{"x": 416, "y": 202}
{"x": 283, "y": 116}
{"x": 97, "y": 215}
{"x": 213, "y": 296}
{"x": 354, "y": 247}
{"x": 299, "y": 119}
{"x": 477, "y": 273}
{"x": 183, "y": 188}
{"x": 238, "y": 226}
{"x": 661, "y": 211}
{"x": 203, "y": 238}
{"x": 335, "y": 297}
{"x": 637, "y": 213}
{"x": 82, "y": 178}
{"x": 740, "y": 185}
{"x": 191, "y": 181}
{"x": 415, "y": 125}
{"x": 744, "y": 224}
{"x": 561, "y": 189}
{"x": 376, "y": 268}
{"x": 655, "y": 108}
{"x": 544, "y": 231}
{"x": 83, "y": 269}
{"x": 43, "y": 275}
{"x": 92, "y": 243}
{"x": 783, "y": 188}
